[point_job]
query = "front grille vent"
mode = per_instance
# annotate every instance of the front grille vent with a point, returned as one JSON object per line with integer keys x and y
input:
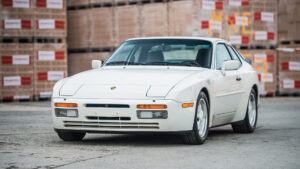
{"x": 108, "y": 118}
{"x": 107, "y": 105}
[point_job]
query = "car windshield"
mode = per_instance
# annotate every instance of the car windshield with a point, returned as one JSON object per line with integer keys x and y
{"x": 171, "y": 52}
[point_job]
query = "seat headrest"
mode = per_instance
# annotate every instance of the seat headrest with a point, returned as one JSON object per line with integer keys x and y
{"x": 156, "y": 56}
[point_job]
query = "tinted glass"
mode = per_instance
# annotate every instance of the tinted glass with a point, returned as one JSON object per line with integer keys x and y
{"x": 171, "y": 52}
{"x": 233, "y": 54}
{"x": 222, "y": 55}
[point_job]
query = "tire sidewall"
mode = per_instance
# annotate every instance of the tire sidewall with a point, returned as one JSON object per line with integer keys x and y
{"x": 200, "y": 139}
{"x": 252, "y": 128}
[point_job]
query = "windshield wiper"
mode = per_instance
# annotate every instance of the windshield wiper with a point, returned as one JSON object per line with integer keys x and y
{"x": 184, "y": 63}
{"x": 123, "y": 63}
{"x": 190, "y": 63}
{"x": 162, "y": 63}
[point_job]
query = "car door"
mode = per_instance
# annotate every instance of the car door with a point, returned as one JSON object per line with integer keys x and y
{"x": 227, "y": 87}
{"x": 240, "y": 78}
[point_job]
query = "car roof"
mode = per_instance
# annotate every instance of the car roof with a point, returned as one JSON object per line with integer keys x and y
{"x": 180, "y": 37}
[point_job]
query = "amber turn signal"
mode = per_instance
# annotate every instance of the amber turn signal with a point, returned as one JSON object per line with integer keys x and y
{"x": 186, "y": 105}
{"x": 65, "y": 105}
{"x": 151, "y": 106}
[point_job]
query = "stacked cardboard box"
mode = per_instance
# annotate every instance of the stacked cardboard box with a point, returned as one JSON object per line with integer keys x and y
{"x": 154, "y": 19}
{"x": 265, "y": 63}
{"x": 126, "y": 23}
{"x": 50, "y": 65}
{"x": 79, "y": 62}
{"x": 101, "y": 24}
{"x": 289, "y": 70}
{"x": 238, "y": 22}
{"x": 50, "y": 24}
{"x": 264, "y": 25}
{"x": 17, "y": 18}
{"x": 16, "y": 71}
{"x": 182, "y": 16}
{"x": 78, "y": 29}
{"x": 289, "y": 20}
{"x": 209, "y": 18}
{"x": 23, "y": 64}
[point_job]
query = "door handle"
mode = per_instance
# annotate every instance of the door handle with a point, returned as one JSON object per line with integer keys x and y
{"x": 238, "y": 78}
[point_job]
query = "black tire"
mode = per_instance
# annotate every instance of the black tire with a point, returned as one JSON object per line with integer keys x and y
{"x": 193, "y": 137}
{"x": 244, "y": 126}
{"x": 70, "y": 136}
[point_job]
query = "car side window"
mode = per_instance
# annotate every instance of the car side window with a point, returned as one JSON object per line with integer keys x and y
{"x": 233, "y": 54}
{"x": 222, "y": 55}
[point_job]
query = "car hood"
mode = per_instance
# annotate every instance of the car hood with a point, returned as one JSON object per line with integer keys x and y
{"x": 125, "y": 82}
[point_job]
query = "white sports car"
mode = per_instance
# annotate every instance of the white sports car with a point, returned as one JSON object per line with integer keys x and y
{"x": 165, "y": 84}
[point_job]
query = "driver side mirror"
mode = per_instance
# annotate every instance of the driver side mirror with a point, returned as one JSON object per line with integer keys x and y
{"x": 230, "y": 65}
{"x": 96, "y": 64}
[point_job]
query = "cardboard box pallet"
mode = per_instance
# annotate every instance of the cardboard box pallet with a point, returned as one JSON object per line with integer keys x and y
{"x": 289, "y": 20}
{"x": 50, "y": 65}
{"x": 28, "y": 18}
{"x": 16, "y": 60}
{"x": 78, "y": 29}
{"x": 251, "y": 22}
{"x": 288, "y": 70}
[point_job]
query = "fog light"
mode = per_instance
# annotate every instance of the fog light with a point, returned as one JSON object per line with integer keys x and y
{"x": 155, "y": 114}
{"x": 66, "y": 113}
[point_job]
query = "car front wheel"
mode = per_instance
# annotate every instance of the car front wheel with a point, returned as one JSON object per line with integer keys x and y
{"x": 249, "y": 123}
{"x": 71, "y": 136}
{"x": 200, "y": 128}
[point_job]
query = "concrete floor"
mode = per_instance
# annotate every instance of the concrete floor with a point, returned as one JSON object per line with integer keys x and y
{"x": 27, "y": 140}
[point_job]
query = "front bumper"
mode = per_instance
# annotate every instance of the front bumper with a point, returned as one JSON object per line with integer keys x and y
{"x": 179, "y": 119}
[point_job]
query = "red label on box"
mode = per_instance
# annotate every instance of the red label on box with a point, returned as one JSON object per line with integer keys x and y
{"x": 257, "y": 16}
{"x": 219, "y": 5}
{"x": 270, "y": 58}
{"x": 245, "y": 39}
{"x": 204, "y": 24}
{"x": 16, "y": 24}
{"x": 245, "y": 3}
{"x": 16, "y": 80}
{"x": 50, "y": 55}
{"x": 56, "y": 4}
{"x": 51, "y": 75}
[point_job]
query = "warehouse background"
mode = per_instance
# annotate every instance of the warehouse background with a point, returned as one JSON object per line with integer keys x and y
{"x": 43, "y": 41}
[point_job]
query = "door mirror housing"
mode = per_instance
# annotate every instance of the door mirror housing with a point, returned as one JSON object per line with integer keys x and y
{"x": 230, "y": 65}
{"x": 96, "y": 64}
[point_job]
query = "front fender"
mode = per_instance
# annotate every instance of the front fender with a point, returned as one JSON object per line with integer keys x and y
{"x": 187, "y": 90}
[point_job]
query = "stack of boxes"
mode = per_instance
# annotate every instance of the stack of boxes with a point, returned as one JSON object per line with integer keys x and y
{"x": 265, "y": 63}
{"x": 289, "y": 21}
{"x": 17, "y": 71}
{"x": 289, "y": 47}
{"x": 289, "y": 71}
{"x": 251, "y": 25}
{"x": 33, "y": 34}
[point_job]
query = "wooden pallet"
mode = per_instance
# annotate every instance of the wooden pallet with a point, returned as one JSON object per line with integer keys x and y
{"x": 288, "y": 94}
{"x": 49, "y": 40}
{"x": 290, "y": 42}
{"x": 16, "y": 40}
{"x": 90, "y": 50}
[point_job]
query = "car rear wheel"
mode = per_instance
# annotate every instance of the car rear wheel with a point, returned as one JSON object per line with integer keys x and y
{"x": 71, "y": 136}
{"x": 249, "y": 123}
{"x": 200, "y": 127}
